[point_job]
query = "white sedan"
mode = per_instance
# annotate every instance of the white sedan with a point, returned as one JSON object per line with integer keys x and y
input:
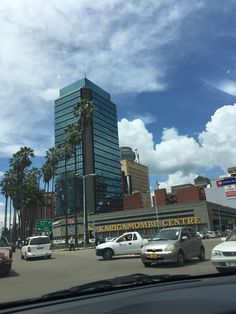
{"x": 223, "y": 255}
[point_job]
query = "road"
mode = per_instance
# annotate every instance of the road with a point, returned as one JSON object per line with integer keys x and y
{"x": 65, "y": 269}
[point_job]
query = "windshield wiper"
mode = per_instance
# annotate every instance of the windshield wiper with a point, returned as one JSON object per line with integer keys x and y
{"x": 109, "y": 285}
{"x": 115, "y": 283}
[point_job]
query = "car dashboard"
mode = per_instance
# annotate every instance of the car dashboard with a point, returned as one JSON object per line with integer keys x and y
{"x": 200, "y": 295}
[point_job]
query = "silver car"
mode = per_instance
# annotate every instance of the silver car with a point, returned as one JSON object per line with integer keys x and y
{"x": 173, "y": 245}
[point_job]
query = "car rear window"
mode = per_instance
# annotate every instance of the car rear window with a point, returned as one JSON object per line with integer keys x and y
{"x": 37, "y": 241}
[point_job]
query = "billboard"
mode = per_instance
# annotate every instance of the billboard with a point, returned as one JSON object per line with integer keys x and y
{"x": 226, "y": 181}
{"x": 230, "y": 191}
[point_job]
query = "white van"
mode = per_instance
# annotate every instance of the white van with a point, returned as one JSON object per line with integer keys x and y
{"x": 38, "y": 246}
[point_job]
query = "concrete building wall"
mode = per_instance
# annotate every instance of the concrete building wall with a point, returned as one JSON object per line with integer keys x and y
{"x": 217, "y": 195}
{"x": 139, "y": 175}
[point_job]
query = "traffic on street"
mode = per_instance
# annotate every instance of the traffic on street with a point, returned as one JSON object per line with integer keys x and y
{"x": 70, "y": 268}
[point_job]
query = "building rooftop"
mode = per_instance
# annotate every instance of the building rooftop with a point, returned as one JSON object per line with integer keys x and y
{"x": 84, "y": 82}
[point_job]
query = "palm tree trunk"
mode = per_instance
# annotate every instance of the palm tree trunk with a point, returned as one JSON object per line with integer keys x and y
{"x": 14, "y": 225}
{"x": 45, "y": 200}
{"x": 10, "y": 224}
{"x": 53, "y": 182}
{"x": 5, "y": 217}
{"x": 46, "y": 207}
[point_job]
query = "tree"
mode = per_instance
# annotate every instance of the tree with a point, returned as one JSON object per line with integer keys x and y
{"x": 74, "y": 139}
{"x": 32, "y": 198}
{"x": 47, "y": 176}
{"x": 5, "y": 185}
{"x": 65, "y": 152}
{"x": 84, "y": 113}
{"x": 53, "y": 158}
{"x": 19, "y": 162}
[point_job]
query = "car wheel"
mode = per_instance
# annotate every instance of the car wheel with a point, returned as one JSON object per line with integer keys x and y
{"x": 107, "y": 254}
{"x": 180, "y": 258}
{"x": 5, "y": 273}
{"x": 48, "y": 256}
{"x": 26, "y": 257}
{"x": 221, "y": 270}
{"x": 146, "y": 264}
{"x": 201, "y": 256}
{"x": 22, "y": 256}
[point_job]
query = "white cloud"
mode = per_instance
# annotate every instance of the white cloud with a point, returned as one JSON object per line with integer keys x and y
{"x": 180, "y": 156}
{"x": 147, "y": 118}
{"x": 49, "y": 94}
{"x": 1, "y": 174}
{"x": 176, "y": 179}
{"x": 46, "y": 45}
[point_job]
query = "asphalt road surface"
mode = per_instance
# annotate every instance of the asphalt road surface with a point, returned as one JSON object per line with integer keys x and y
{"x": 65, "y": 269}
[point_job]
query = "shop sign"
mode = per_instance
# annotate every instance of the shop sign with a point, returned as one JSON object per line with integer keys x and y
{"x": 150, "y": 224}
{"x": 230, "y": 191}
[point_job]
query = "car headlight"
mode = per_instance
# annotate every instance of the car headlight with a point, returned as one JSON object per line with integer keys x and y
{"x": 216, "y": 253}
{"x": 143, "y": 249}
{"x": 169, "y": 248}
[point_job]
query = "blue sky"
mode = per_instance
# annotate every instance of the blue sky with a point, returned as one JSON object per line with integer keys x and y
{"x": 169, "y": 65}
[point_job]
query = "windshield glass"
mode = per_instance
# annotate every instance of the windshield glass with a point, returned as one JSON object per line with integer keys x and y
{"x": 117, "y": 141}
{"x": 231, "y": 236}
{"x": 172, "y": 234}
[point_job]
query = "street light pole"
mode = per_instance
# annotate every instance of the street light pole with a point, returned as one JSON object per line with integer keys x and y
{"x": 219, "y": 218}
{"x": 157, "y": 216}
{"x": 85, "y": 220}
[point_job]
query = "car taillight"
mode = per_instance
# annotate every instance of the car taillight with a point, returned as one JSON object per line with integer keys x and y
{"x": 1, "y": 255}
{"x": 29, "y": 249}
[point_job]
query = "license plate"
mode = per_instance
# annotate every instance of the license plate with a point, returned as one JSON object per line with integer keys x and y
{"x": 152, "y": 256}
{"x": 231, "y": 264}
{"x": 40, "y": 247}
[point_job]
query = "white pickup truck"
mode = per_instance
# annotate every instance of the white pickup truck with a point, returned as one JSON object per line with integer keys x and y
{"x": 126, "y": 244}
{"x": 5, "y": 256}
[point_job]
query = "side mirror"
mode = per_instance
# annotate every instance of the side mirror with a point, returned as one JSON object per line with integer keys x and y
{"x": 223, "y": 239}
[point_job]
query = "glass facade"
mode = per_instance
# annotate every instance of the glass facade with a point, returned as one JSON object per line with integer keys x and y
{"x": 106, "y": 186}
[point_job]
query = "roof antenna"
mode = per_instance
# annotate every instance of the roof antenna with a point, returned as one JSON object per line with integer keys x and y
{"x": 84, "y": 74}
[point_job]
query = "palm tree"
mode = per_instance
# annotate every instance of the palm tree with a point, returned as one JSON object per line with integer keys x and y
{"x": 20, "y": 161}
{"x": 74, "y": 139}
{"x": 65, "y": 154}
{"x": 32, "y": 198}
{"x": 5, "y": 189}
{"x": 53, "y": 158}
{"x": 47, "y": 176}
{"x": 84, "y": 113}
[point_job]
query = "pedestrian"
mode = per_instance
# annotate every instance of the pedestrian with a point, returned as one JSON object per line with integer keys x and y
{"x": 96, "y": 239}
{"x": 72, "y": 243}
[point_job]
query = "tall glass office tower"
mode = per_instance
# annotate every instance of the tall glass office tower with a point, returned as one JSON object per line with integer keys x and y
{"x": 104, "y": 190}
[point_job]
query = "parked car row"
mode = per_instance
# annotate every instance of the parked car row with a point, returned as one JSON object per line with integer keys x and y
{"x": 210, "y": 234}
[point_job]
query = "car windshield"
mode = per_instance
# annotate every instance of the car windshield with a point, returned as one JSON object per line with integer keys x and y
{"x": 117, "y": 141}
{"x": 169, "y": 234}
{"x": 231, "y": 236}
